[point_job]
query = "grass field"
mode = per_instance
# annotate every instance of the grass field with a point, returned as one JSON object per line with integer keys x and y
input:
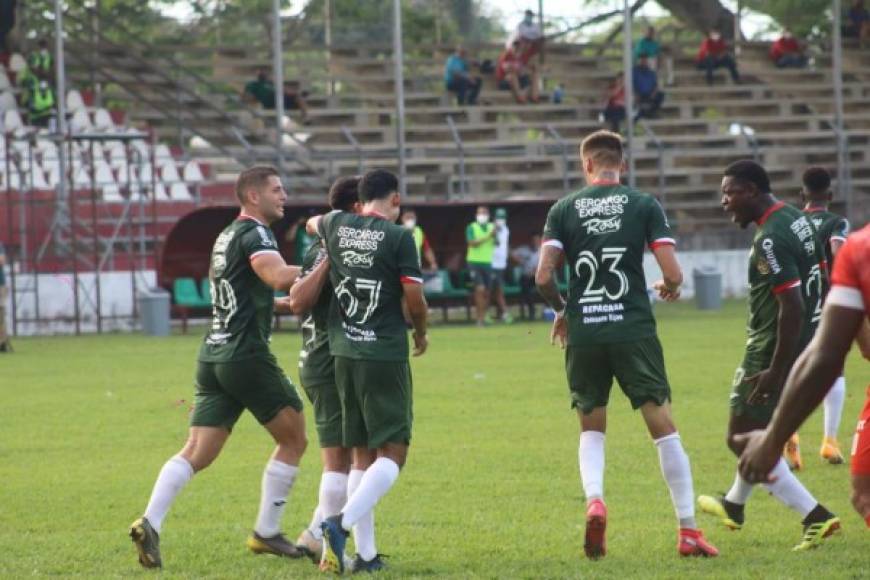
{"x": 491, "y": 488}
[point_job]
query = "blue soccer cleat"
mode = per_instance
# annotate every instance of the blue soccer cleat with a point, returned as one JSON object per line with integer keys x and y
{"x": 334, "y": 542}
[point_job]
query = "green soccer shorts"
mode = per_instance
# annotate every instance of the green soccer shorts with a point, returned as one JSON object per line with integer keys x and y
{"x": 224, "y": 390}
{"x": 740, "y": 390}
{"x": 327, "y": 412}
{"x": 638, "y": 366}
{"x": 376, "y": 401}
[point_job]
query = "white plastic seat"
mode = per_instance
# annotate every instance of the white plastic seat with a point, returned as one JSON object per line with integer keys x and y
{"x": 4, "y": 81}
{"x": 141, "y": 147}
{"x": 162, "y": 153}
{"x": 37, "y": 178}
{"x": 17, "y": 63}
{"x": 147, "y": 178}
{"x": 192, "y": 172}
{"x": 74, "y": 101}
{"x": 7, "y": 101}
{"x": 169, "y": 172}
{"x": 80, "y": 122}
{"x": 12, "y": 122}
{"x": 180, "y": 192}
{"x": 103, "y": 121}
{"x": 81, "y": 177}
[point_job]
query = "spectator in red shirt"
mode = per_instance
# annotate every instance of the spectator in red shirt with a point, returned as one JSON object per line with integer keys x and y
{"x": 514, "y": 73}
{"x": 787, "y": 52}
{"x": 714, "y": 53}
{"x": 614, "y": 107}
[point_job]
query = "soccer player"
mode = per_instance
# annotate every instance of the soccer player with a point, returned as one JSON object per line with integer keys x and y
{"x": 844, "y": 319}
{"x": 608, "y": 327}
{"x": 832, "y": 230}
{"x": 373, "y": 264}
{"x": 786, "y": 284}
{"x": 236, "y": 371}
{"x": 311, "y": 295}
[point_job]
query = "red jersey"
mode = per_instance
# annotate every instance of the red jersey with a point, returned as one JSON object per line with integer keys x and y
{"x": 784, "y": 46}
{"x": 850, "y": 281}
{"x": 712, "y": 47}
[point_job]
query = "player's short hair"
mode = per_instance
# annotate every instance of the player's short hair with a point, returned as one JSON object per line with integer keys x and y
{"x": 602, "y": 147}
{"x": 408, "y": 210}
{"x": 377, "y": 184}
{"x": 344, "y": 193}
{"x": 816, "y": 180}
{"x": 254, "y": 178}
{"x": 748, "y": 171}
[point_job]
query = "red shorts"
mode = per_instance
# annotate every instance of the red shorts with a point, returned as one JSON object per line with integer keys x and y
{"x": 861, "y": 443}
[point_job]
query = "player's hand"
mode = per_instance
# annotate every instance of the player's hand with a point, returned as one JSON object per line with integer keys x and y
{"x": 766, "y": 386}
{"x": 758, "y": 458}
{"x": 421, "y": 343}
{"x": 559, "y": 331}
{"x": 665, "y": 292}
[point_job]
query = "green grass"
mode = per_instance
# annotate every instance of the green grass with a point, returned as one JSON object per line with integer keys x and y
{"x": 491, "y": 488}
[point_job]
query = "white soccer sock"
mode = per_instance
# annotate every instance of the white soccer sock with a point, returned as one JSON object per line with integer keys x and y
{"x": 591, "y": 457}
{"x": 173, "y": 477}
{"x": 376, "y": 482}
{"x": 740, "y": 491}
{"x": 364, "y": 528}
{"x": 278, "y": 478}
{"x": 790, "y": 491}
{"x": 316, "y": 520}
{"x": 678, "y": 475}
{"x": 834, "y": 407}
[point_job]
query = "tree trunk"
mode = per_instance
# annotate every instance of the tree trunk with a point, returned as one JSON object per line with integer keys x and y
{"x": 703, "y": 15}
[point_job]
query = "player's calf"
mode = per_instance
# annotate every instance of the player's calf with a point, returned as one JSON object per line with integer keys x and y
{"x": 861, "y": 496}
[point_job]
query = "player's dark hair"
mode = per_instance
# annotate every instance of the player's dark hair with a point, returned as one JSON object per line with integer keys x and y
{"x": 254, "y": 178}
{"x": 748, "y": 171}
{"x": 817, "y": 181}
{"x": 603, "y": 147}
{"x": 377, "y": 184}
{"x": 343, "y": 193}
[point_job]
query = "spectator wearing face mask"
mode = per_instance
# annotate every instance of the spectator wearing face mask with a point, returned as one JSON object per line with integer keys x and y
{"x": 424, "y": 250}
{"x": 529, "y": 36}
{"x": 480, "y": 236}
{"x": 500, "y": 265}
{"x": 714, "y": 53}
{"x": 787, "y": 52}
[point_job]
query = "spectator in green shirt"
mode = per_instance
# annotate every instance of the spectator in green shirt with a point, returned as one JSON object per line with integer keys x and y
{"x": 262, "y": 91}
{"x": 658, "y": 56}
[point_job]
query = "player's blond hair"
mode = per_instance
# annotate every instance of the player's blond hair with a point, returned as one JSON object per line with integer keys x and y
{"x": 256, "y": 177}
{"x": 604, "y": 148}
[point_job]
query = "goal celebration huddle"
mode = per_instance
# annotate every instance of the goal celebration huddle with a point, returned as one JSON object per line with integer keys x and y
{"x": 360, "y": 289}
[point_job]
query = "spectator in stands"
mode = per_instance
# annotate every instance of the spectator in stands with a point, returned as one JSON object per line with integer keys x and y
{"x": 262, "y": 91}
{"x": 614, "y": 107}
{"x": 787, "y": 52}
{"x": 713, "y": 54}
{"x": 516, "y": 74}
{"x": 480, "y": 235}
{"x": 859, "y": 22}
{"x": 458, "y": 78}
{"x": 41, "y": 102}
{"x": 500, "y": 265}
{"x": 424, "y": 249}
{"x": 7, "y": 23}
{"x": 5, "y": 345}
{"x": 650, "y": 47}
{"x": 527, "y": 257}
{"x": 529, "y": 35}
{"x": 40, "y": 63}
{"x": 646, "y": 89}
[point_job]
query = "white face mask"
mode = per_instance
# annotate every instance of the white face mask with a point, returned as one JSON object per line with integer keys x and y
{"x": 501, "y": 222}
{"x": 716, "y": 36}
{"x": 482, "y": 218}
{"x": 410, "y": 223}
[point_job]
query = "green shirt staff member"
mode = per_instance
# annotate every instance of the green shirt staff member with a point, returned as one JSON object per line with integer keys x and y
{"x": 424, "y": 249}
{"x": 480, "y": 235}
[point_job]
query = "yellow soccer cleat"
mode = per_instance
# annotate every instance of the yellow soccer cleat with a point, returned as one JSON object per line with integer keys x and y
{"x": 830, "y": 451}
{"x": 715, "y": 506}
{"x": 815, "y": 533}
{"x": 792, "y": 453}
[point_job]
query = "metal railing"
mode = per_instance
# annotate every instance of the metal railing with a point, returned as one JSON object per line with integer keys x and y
{"x": 563, "y": 150}
{"x": 660, "y": 161}
{"x": 457, "y": 140}
{"x": 348, "y": 134}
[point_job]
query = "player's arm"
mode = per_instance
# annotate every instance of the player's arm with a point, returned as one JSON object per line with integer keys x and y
{"x": 839, "y": 235}
{"x": 545, "y": 276}
{"x": 418, "y": 311}
{"x": 307, "y": 289}
{"x": 282, "y": 305}
{"x": 788, "y": 332}
{"x": 474, "y": 242}
{"x": 810, "y": 380}
{"x": 429, "y": 255}
{"x": 313, "y": 224}
{"x": 668, "y": 287}
{"x": 863, "y": 340}
{"x": 271, "y": 268}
